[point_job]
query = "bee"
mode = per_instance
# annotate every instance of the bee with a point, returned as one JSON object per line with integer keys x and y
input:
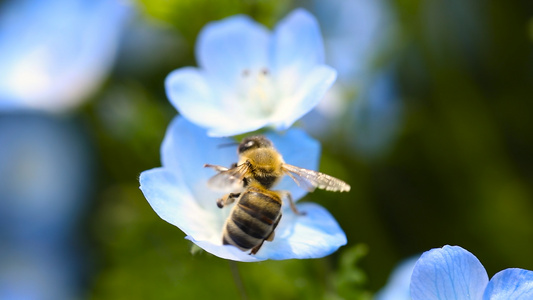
{"x": 257, "y": 212}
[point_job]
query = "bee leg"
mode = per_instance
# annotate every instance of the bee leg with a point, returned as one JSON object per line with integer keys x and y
{"x": 256, "y": 248}
{"x": 227, "y": 199}
{"x": 291, "y": 202}
{"x": 270, "y": 237}
{"x": 217, "y": 168}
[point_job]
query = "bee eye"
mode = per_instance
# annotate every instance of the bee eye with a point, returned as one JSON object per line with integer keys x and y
{"x": 246, "y": 145}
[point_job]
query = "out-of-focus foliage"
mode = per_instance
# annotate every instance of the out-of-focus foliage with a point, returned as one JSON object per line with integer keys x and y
{"x": 458, "y": 169}
{"x": 398, "y": 285}
{"x": 189, "y": 16}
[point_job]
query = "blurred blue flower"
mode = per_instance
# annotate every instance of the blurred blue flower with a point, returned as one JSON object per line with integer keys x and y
{"x": 179, "y": 194}
{"x": 44, "y": 177}
{"x": 249, "y": 78}
{"x": 363, "y": 106}
{"x": 376, "y": 117}
{"x": 355, "y": 33}
{"x": 397, "y": 287}
{"x": 369, "y": 124}
{"x": 38, "y": 274}
{"x": 451, "y": 272}
{"x": 45, "y": 181}
{"x": 55, "y": 53}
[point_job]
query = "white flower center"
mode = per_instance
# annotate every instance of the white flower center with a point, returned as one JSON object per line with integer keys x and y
{"x": 256, "y": 92}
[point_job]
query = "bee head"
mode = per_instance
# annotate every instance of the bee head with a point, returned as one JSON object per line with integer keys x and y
{"x": 253, "y": 142}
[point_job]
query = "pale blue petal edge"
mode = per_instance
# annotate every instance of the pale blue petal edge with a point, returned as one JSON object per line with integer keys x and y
{"x": 172, "y": 201}
{"x": 314, "y": 235}
{"x": 226, "y": 251}
{"x": 227, "y": 47}
{"x": 307, "y": 95}
{"x": 297, "y": 43}
{"x": 513, "y": 283}
{"x": 184, "y": 151}
{"x": 189, "y": 91}
{"x": 449, "y": 272}
{"x": 235, "y": 126}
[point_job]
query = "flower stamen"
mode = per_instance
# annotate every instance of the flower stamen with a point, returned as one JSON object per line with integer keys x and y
{"x": 256, "y": 90}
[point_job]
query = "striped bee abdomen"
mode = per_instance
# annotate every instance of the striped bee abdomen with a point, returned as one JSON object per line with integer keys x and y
{"x": 252, "y": 219}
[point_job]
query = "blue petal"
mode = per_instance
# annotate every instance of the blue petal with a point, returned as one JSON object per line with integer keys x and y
{"x": 516, "y": 284}
{"x": 173, "y": 202}
{"x": 307, "y": 95}
{"x": 225, "y": 251}
{"x": 195, "y": 98}
{"x": 185, "y": 150}
{"x": 226, "y": 48}
{"x": 190, "y": 93}
{"x": 449, "y": 272}
{"x": 237, "y": 124}
{"x": 314, "y": 235}
{"x": 297, "y": 44}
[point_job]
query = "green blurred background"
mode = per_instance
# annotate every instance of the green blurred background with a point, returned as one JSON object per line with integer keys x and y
{"x": 457, "y": 171}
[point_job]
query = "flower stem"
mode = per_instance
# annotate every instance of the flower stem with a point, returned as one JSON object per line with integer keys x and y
{"x": 237, "y": 279}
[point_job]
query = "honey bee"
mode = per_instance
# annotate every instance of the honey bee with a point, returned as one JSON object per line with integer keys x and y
{"x": 253, "y": 219}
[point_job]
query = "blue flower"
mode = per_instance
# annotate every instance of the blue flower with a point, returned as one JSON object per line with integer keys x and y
{"x": 372, "y": 120}
{"x": 55, "y": 53}
{"x": 249, "y": 77}
{"x": 356, "y": 35}
{"x": 355, "y": 32}
{"x": 451, "y": 272}
{"x": 179, "y": 194}
{"x": 376, "y": 117}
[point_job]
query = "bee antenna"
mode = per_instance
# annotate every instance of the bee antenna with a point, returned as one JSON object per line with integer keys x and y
{"x": 227, "y": 145}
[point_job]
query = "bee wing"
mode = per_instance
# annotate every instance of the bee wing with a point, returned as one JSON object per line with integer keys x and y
{"x": 310, "y": 179}
{"x": 228, "y": 179}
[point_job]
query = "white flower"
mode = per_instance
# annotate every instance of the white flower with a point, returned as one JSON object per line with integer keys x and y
{"x": 249, "y": 77}
{"x": 55, "y": 53}
{"x": 179, "y": 194}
